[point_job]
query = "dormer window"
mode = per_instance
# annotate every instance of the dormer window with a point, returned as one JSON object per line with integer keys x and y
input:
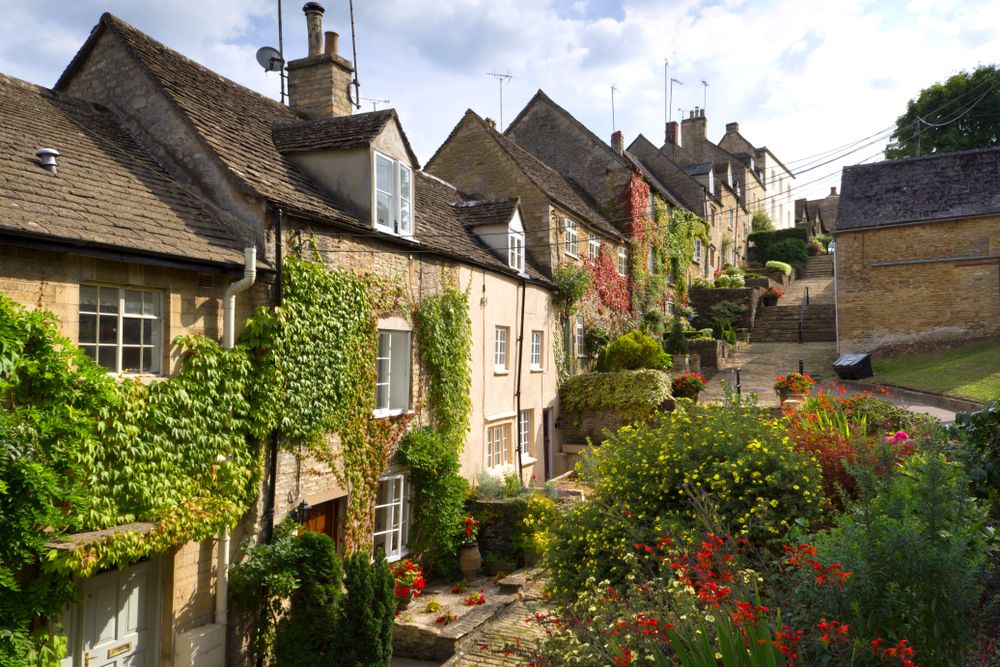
{"x": 711, "y": 182}
{"x": 393, "y": 196}
{"x": 515, "y": 250}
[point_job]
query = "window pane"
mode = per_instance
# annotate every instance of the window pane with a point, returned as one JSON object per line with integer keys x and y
{"x": 109, "y": 300}
{"x": 399, "y": 395}
{"x": 147, "y": 332}
{"x": 133, "y": 302}
{"x": 88, "y": 299}
{"x": 147, "y": 360}
{"x": 151, "y": 304}
{"x": 383, "y": 213}
{"x": 404, "y": 182}
{"x": 383, "y": 174}
{"x": 90, "y": 350}
{"x": 88, "y": 328}
{"x": 404, "y": 218}
{"x": 131, "y": 331}
{"x": 108, "y": 357}
{"x": 108, "y": 331}
{"x": 130, "y": 359}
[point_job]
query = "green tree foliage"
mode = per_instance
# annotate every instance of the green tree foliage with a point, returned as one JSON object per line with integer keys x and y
{"x": 789, "y": 251}
{"x": 306, "y": 634}
{"x": 632, "y": 351}
{"x": 681, "y": 231}
{"x": 572, "y": 283}
{"x": 959, "y": 114}
{"x": 761, "y": 222}
{"x": 978, "y": 434}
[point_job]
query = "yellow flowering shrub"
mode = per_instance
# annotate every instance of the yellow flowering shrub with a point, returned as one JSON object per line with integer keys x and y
{"x": 733, "y": 463}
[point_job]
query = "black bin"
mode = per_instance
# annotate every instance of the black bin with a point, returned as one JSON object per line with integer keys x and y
{"x": 853, "y": 366}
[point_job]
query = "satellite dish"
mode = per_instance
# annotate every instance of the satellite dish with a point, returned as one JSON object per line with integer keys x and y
{"x": 270, "y": 59}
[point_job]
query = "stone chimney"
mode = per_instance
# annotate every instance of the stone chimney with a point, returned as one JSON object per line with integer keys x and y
{"x": 671, "y": 135}
{"x": 319, "y": 85}
{"x": 833, "y": 191}
{"x": 618, "y": 142}
{"x": 693, "y": 129}
{"x": 732, "y": 128}
{"x": 490, "y": 123}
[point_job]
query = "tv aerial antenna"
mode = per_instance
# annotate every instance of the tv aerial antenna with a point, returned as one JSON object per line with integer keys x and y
{"x": 501, "y": 79}
{"x": 613, "y": 91}
{"x": 375, "y": 101}
{"x": 273, "y": 59}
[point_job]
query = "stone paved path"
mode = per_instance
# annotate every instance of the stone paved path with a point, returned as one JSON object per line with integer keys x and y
{"x": 760, "y": 363}
{"x": 508, "y": 640}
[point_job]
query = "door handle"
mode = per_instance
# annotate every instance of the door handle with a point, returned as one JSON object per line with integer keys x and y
{"x": 86, "y": 659}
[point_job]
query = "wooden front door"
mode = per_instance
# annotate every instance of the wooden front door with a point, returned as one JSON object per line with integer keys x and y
{"x": 117, "y": 619}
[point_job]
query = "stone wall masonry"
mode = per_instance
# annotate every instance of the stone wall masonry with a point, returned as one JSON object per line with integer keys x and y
{"x": 702, "y": 300}
{"x": 886, "y": 308}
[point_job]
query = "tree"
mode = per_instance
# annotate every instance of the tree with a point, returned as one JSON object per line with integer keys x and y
{"x": 761, "y": 222}
{"x": 960, "y": 114}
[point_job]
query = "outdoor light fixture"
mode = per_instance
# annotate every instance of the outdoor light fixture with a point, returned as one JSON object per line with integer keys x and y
{"x": 302, "y": 512}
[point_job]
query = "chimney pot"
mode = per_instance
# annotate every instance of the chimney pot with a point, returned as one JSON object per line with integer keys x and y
{"x": 314, "y": 26}
{"x": 833, "y": 191}
{"x": 332, "y": 45}
{"x": 492, "y": 124}
{"x": 618, "y": 142}
{"x": 48, "y": 156}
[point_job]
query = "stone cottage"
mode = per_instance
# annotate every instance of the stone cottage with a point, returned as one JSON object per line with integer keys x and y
{"x": 917, "y": 263}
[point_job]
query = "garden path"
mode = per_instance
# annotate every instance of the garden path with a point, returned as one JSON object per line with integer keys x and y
{"x": 760, "y": 363}
{"x": 509, "y": 638}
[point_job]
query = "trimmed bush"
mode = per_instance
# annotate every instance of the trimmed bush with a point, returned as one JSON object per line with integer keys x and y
{"x": 634, "y": 394}
{"x": 762, "y": 240}
{"x": 641, "y": 478}
{"x": 633, "y": 351}
{"x": 789, "y": 251}
{"x": 779, "y": 266}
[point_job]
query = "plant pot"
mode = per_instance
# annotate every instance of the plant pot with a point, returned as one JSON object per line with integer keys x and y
{"x": 789, "y": 396}
{"x": 680, "y": 362}
{"x": 469, "y": 560}
{"x": 403, "y": 601}
{"x": 770, "y": 300}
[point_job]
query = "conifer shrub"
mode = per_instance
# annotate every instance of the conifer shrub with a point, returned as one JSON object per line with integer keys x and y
{"x": 677, "y": 341}
{"x": 305, "y": 634}
{"x": 365, "y": 633}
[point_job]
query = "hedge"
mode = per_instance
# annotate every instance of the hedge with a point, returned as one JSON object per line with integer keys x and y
{"x": 635, "y": 394}
{"x": 763, "y": 239}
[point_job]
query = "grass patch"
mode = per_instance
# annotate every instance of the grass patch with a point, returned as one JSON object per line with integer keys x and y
{"x": 971, "y": 372}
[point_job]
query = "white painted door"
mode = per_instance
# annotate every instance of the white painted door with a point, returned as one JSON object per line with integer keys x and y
{"x": 118, "y": 618}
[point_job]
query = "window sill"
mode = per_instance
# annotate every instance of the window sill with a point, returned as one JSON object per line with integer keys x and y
{"x": 382, "y": 414}
{"x": 501, "y": 371}
{"x": 536, "y": 369}
{"x": 527, "y": 460}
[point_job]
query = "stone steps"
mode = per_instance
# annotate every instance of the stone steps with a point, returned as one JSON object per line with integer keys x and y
{"x": 779, "y": 324}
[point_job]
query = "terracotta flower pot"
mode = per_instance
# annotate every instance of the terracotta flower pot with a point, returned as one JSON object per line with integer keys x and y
{"x": 469, "y": 560}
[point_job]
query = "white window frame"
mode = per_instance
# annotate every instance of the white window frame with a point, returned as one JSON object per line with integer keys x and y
{"x": 498, "y": 445}
{"x": 537, "y": 349}
{"x": 400, "y": 202}
{"x": 524, "y": 431}
{"x": 515, "y": 250}
{"x": 396, "y": 509}
{"x": 651, "y": 207}
{"x": 580, "y": 336}
{"x": 571, "y": 237}
{"x": 388, "y": 407}
{"x": 622, "y": 261}
{"x": 730, "y": 221}
{"x": 671, "y": 308}
{"x": 697, "y": 251}
{"x": 593, "y": 248}
{"x": 501, "y": 346}
{"x": 155, "y": 303}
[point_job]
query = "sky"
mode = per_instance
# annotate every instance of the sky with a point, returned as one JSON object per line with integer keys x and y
{"x": 800, "y": 76}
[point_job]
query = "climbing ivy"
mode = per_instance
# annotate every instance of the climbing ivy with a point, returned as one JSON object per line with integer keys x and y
{"x": 681, "y": 228}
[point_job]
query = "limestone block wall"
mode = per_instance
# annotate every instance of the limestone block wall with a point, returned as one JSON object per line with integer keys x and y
{"x": 918, "y": 285}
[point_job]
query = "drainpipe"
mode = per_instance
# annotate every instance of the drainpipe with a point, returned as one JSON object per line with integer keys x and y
{"x": 517, "y": 390}
{"x": 228, "y": 340}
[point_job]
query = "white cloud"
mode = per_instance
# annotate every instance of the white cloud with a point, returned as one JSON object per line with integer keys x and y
{"x": 800, "y": 77}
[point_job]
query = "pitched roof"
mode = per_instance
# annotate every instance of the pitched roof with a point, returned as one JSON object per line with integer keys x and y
{"x": 541, "y": 98}
{"x": 440, "y": 213}
{"x": 693, "y": 193}
{"x": 232, "y": 120}
{"x": 697, "y": 168}
{"x": 359, "y": 129}
{"x": 489, "y": 212}
{"x": 920, "y": 189}
{"x": 108, "y": 193}
{"x": 557, "y": 188}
